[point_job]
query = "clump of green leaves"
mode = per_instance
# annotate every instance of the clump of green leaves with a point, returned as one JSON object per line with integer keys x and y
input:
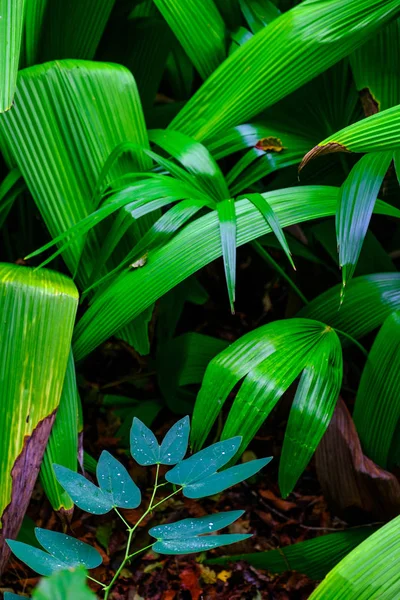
{"x": 195, "y": 477}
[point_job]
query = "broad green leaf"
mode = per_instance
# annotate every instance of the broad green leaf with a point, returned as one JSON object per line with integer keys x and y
{"x": 375, "y": 66}
{"x": 83, "y": 492}
{"x": 11, "y": 22}
{"x": 265, "y": 209}
{"x": 68, "y": 549}
{"x": 198, "y": 544}
{"x": 218, "y": 482}
{"x": 38, "y": 309}
{"x": 203, "y": 463}
{"x": 144, "y": 446}
{"x": 174, "y": 445}
{"x": 115, "y": 482}
{"x": 195, "y": 246}
{"x": 64, "y": 585}
{"x": 199, "y": 28}
{"x": 356, "y": 203}
{"x": 62, "y": 447}
{"x": 377, "y": 407}
{"x": 313, "y": 557}
{"x": 72, "y": 33}
{"x": 290, "y": 51}
{"x": 369, "y": 300}
{"x": 182, "y": 361}
{"x": 39, "y": 561}
{"x": 62, "y": 173}
{"x": 197, "y": 526}
{"x": 258, "y": 13}
{"x": 312, "y": 409}
{"x": 227, "y": 224}
{"x": 369, "y": 572}
{"x": 195, "y": 158}
{"x": 269, "y": 359}
{"x": 377, "y": 133}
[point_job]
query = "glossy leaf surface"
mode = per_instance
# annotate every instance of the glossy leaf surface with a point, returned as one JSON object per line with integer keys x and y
{"x": 115, "y": 482}
{"x": 83, "y": 492}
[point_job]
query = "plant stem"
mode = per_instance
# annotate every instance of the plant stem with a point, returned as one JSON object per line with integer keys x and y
{"x": 131, "y": 530}
{"x": 96, "y": 581}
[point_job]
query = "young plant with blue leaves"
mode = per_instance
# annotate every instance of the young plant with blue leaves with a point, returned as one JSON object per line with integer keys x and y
{"x": 198, "y": 476}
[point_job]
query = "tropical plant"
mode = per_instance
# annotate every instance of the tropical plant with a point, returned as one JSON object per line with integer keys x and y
{"x": 141, "y": 142}
{"x": 196, "y": 477}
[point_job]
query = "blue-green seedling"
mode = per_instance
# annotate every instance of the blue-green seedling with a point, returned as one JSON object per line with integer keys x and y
{"x": 196, "y": 477}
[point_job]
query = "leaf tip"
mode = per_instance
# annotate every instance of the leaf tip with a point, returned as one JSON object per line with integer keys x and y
{"x": 319, "y": 150}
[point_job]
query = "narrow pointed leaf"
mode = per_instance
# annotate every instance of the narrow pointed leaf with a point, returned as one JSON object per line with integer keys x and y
{"x": 265, "y": 209}
{"x": 62, "y": 447}
{"x": 214, "y": 484}
{"x": 356, "y": 203}
{"x": 195, "y": 246}
{"x": 199, "y": 28}
{"x": 197, "y": 526}
{"x": 11, "y": 22}
{"x": 290, "y": 51}
{"x": 312, "y": 409}
{"x": 203, "y": 463}
{"x": 369, "y": 300}
{"x": 115, "y": 482}
{"x": 39, "y": 310}
{"x": 83, "y": 492}
{"x": 195, "y": 158}
{"x": 313, "y": 557}
{"x": 68, "y": 549}
{"x": 377, "y": 407}
{"x": 227, "y": 225}
{"x": 174, "y": 445}
{"x": 258, "y": 13}
{"x": 369, "y": 572}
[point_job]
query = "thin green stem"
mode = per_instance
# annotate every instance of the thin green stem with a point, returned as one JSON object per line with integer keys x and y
{"x": 268, "y": 259}
{"x": 353, "y": 340}
{"x": 141, "y": 550}
{"x": 96, "y": 581}
{"x": 122, "y": 518}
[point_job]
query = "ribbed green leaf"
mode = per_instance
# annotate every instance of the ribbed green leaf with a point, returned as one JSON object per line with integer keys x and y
{"x": 197, "y": 245}
{"x": 71, "y": 33}
{"x": 64, "y": 585}
{"x": 12, "y": 18}
{"x": 227, "y": 224}
{"x": 258, "y": 13}
{"x": 62, "y": 447}
{"x": 369, "y": 300}
{"x": 61, "y": 156}
{"x": 312, "y": 409}
{"x": 293, "y": 49}
{"x": 370, "y": 572}
{"x": 377, "y": 407}
{"x": 269, "y": 359}
{"x": 195, "y": 158}
{"x": 356, "y": 203}
{"x": 265, "y": 209}
{"x": 377, "y": 133}
{"x": 38, "y": 311}
{"x": 375, "y": 66}
{"x": 313, "y": 557}
{"x": 199, "y": 28}
{"x": 10, "y": 188}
